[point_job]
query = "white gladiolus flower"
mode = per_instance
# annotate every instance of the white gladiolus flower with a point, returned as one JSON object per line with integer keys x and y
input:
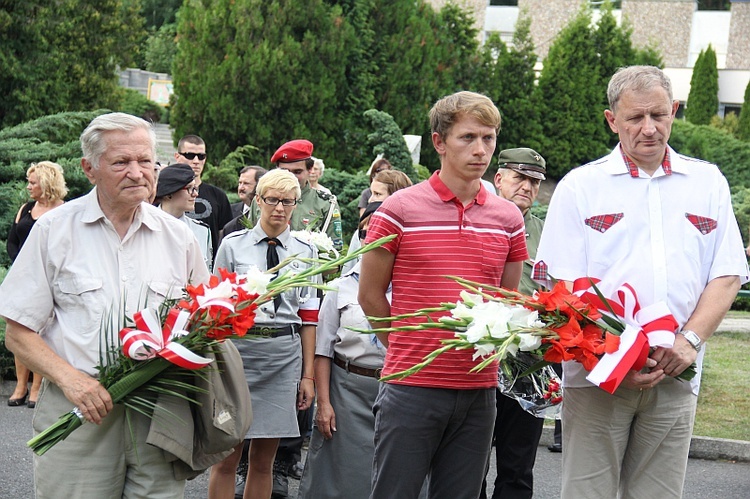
{"x": 529, "y": 342}
{"x": 483, "y": 350}
{"x": 470, "y": 299}
{"x": 462, "y": 311}
{"x": 512, "y": 349}
{"x": 321, "y": 241}
{"x": 256, "y": 280}
{"x": 522, "y": 317}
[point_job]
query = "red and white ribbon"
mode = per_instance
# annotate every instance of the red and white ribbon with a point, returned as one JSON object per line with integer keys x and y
{"x": 150, "y": 339}
{"x": 649, "y": 327}
{"x": 219, "y": 296}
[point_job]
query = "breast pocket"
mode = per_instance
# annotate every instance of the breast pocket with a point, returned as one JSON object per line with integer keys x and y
{"x": 83, "y": 298}
{"x": 158, "y": 291}
{"x": 607, "y": 244}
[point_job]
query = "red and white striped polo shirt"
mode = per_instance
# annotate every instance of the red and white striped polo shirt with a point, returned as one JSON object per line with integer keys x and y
{"x": 437, "y": 236}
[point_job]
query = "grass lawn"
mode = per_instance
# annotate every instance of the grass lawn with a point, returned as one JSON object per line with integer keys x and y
{"x": 723, "y": 403}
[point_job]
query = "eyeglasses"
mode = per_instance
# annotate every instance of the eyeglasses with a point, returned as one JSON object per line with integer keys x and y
{"x": 191, "y": 190}
{"x": 276, "y": 201}
{"x": 190, "y": 156}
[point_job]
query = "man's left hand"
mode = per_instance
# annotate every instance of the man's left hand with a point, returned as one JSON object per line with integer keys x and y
{"x": 676, "y": 359}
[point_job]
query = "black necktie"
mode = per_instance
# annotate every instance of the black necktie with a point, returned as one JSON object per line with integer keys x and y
{"x": 272, "y": 260}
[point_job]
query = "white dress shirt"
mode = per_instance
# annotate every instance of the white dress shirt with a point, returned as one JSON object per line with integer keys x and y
{"x": 75, "y": 278}
{"x": 654, "y": 244}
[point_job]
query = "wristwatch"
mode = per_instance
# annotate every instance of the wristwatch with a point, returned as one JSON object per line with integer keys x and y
{"x": 693, "y": 339}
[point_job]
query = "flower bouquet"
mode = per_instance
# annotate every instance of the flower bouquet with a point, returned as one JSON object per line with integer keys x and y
{"x": 175, "y": 336}
{"x": 608, "y": 336}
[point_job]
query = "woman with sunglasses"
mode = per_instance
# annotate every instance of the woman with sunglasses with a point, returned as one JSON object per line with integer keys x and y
{"x": 175, "y": 194}
{"x": 279, "y": 361}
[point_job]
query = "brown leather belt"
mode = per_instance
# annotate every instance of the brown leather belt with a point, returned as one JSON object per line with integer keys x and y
{"x": 272, "y": 332}
{"x": 351, "y": 368}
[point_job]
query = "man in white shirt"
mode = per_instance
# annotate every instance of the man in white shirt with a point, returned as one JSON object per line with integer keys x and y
{"x": 663, "y": 223}
{"x": 83, "y": 268}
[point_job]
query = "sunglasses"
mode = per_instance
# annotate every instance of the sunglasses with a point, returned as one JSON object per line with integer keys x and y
{"x": 190, "y": 156}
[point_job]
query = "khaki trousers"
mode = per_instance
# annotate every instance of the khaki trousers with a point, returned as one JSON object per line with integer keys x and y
{"x": 632, "y": 444}
{"x": 104, "y": 461}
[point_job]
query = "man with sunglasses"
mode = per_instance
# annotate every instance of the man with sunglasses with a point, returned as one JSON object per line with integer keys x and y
{"x": 212, "y": 205}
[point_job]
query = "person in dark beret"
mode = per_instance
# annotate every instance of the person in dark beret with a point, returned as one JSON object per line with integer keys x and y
{"x": 175, "y": 194}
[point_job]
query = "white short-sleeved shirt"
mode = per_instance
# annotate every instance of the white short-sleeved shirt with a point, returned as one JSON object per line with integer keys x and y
{"x": 241, "y": 250}
{"x": 203, "y": 234}
{"x": 75, "y": 278}
{"x": 341, "y": 310}
{"x": 667, "y": 235}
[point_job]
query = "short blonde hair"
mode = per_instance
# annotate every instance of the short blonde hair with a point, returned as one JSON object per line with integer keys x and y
{"x": 279, "y": 179}
{"x": 51, "y": 179}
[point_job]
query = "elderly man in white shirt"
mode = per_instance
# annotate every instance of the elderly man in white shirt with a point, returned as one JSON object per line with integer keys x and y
{"x": 663, "y": 223}
{"x": 85, "y": 266}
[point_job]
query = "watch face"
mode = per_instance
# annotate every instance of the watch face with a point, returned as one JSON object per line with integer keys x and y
{"x": 693, "y": 338}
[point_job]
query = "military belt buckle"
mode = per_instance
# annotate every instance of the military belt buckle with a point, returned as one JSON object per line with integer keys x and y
{"x": 266, "y": 331}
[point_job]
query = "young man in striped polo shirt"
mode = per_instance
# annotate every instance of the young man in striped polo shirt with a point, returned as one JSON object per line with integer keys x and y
{"x": 440, "y": 420}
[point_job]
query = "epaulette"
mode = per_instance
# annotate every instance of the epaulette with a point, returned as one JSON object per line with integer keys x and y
{"x": 200, "y": 222}
{"x": 325, "y": 196}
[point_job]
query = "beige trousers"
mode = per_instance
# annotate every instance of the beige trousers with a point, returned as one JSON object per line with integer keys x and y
{"x": 632, "y": 444}
{"x": 106, "y": 461}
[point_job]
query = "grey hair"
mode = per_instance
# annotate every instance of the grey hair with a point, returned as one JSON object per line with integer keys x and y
{"x": 93, "y": 143}
{"x": 320, "y": 164}
{"x": 636, "y": 78}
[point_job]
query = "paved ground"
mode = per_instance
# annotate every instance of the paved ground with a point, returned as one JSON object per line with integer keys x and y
{"x": 705, "y": 479}
{"x": 165, "y": 148}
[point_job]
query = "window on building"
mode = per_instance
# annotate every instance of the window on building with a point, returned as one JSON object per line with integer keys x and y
{"x": 617, "y": 4}
{"x": 730, "y": 109}
{"x": 714, "y": 4}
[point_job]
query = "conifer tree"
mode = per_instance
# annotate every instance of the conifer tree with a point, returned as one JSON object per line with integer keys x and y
{"x": 703, "y": 99}
{"x": 261, "y": 73}
{"x": 569, "y": 97}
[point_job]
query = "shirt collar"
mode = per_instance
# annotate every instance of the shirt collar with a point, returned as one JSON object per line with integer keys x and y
{"x": 258, "y": 235}
{"x": 447, "y": 195}
{"x": 633, "y": 170}
{"x": 93, "y": 213}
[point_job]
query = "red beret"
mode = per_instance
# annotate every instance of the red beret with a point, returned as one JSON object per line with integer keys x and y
{"x": 294, "y": 150}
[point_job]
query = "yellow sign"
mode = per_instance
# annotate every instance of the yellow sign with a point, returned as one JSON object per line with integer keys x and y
{"x": 159, "y": 91}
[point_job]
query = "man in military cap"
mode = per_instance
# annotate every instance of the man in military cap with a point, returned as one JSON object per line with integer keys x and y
{"x": 316, "y": 210}
{"x": 517, "y": 432}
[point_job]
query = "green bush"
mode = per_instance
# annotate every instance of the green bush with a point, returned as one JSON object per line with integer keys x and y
{"x": 137, "y": 104}
{"x": 348, "y": 188}
{"x": 716, "y": 146}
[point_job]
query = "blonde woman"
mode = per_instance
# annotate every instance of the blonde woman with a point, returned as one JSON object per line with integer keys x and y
{"x": 47, "y": 189}
{"x": 279, "y": 363}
